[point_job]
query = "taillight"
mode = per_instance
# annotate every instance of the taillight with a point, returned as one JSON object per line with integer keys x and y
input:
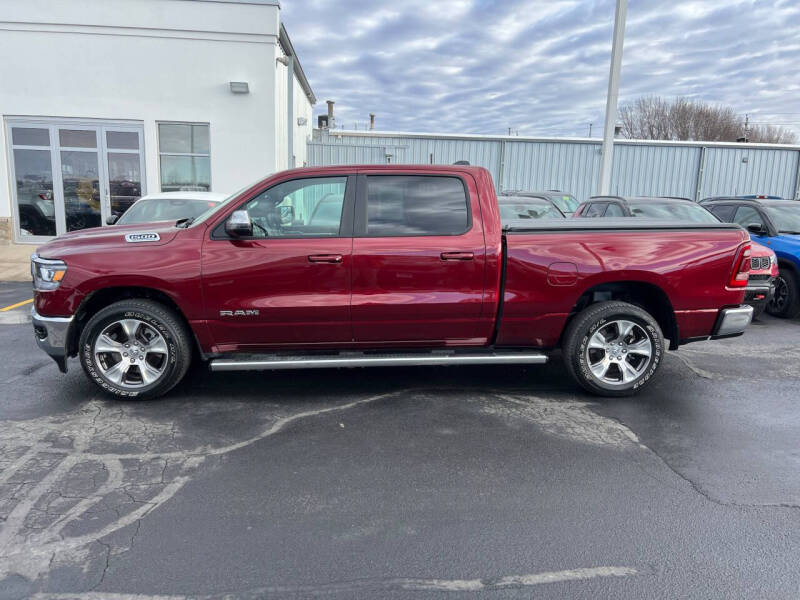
{"x": 741, "y": 271}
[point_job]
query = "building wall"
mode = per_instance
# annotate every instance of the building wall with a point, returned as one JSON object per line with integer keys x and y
{"x": 689, "y": 169}
{"x": 302, "y": 107}
{"x": 147, "y": 61}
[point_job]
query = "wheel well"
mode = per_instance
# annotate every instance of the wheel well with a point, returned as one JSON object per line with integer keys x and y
{"x": 98, "y": 300}
{"x": 644, "y": 295}
{"x": 787, "y": 264}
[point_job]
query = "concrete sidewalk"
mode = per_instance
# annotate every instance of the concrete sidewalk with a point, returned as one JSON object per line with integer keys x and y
{"x": 15, "y": 262}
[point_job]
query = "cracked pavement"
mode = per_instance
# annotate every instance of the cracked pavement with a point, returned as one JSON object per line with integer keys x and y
{"x": 497, "y": 482}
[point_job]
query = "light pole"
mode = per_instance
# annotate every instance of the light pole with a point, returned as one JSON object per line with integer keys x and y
{"x": 611, "y": 100}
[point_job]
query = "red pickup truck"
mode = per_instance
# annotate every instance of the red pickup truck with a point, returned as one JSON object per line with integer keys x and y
{"x": 381, "y": 266}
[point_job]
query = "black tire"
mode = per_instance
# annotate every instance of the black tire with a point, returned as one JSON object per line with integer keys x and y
{"x": 604, "y": 316}
{"x": 153, "y": 317}
{"x": 785, "y": 303}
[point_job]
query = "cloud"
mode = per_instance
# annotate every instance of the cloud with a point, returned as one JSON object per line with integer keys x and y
{"x": 541, "y": 66}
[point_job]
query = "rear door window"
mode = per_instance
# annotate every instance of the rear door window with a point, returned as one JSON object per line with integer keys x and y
{"x": 415, "y": 205}
{"x": 596, "y": 209}
{"x": 724, "y": 212}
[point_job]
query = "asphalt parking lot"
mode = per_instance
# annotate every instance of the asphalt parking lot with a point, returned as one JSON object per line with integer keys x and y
{"x": 493, "y": 482}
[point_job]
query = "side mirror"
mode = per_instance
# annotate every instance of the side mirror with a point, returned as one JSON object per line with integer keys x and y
{"x": 239, "y": 224}
{"x": 112, "y": 219}
{"x": 757, "y": 228}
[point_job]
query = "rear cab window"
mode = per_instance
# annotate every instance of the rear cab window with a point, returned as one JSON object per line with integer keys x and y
{"x": 413, "y": 205}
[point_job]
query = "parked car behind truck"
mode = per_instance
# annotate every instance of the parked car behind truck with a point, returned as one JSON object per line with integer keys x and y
{"x": 775, "y": 224}
{"x": 418, "y": 270}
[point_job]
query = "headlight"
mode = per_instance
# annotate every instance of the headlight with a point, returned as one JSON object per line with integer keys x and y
{"x": 773, "y": 259}
{"x": 47, "y": 273}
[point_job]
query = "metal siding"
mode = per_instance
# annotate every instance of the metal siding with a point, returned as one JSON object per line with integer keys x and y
{"x": 654, "y": 170}
{"x": 570, "y": 167}
{"x": 638, "y": 168}
{"x": 765, "y": 172}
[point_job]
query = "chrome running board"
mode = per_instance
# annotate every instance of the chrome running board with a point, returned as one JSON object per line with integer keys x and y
{"x": 356, "y": 359}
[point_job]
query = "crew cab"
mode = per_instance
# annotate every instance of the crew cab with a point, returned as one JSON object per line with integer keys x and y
{"x": 775, "y": 224}
{"x": 416, "y": 269}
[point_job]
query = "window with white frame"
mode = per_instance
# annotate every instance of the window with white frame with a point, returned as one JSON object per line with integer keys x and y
{"x": 184, "y": 157}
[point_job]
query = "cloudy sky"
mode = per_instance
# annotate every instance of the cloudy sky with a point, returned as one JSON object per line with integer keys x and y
{"x": 541, "y": 66}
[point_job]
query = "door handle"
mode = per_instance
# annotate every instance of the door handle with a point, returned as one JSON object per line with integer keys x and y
{"x": 325, "y": 258}
{"x": 457, "y": 255}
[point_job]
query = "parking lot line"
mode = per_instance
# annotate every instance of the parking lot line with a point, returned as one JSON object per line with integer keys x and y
{"x": 17, "y": 305}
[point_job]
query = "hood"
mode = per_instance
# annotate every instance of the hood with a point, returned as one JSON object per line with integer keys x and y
{"x": 115, "y": 236}
{"x": 757, "y": 249}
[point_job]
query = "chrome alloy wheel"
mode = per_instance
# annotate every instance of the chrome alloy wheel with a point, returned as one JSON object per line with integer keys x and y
{"x": 131, "y": 353}
{"x": 619, "y": 352}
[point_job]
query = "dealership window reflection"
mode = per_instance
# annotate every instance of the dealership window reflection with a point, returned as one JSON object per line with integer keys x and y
{"x": 184, "y": 157}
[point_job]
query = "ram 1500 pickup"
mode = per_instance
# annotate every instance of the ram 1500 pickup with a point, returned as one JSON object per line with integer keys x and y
{"x": 386, "y": 265}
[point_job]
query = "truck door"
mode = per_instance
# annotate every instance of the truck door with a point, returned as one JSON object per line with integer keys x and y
{"x": 288, "y": 285}
{"x": 418, "y": 259}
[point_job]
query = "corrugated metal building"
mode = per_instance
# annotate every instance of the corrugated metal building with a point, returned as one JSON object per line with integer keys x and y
{"x": 691, "y": 169}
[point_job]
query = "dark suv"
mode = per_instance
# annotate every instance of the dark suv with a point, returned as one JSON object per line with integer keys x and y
{"x": 775, "y": 224}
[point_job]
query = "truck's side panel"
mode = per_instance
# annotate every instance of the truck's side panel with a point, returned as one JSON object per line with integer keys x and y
{"x": 548, "y": 272}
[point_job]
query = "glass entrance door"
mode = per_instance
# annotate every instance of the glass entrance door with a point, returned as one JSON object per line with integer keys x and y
{"x": 72, "y": 175}
{"x": 124, "y": 162}
{"x": 80, "y": 178}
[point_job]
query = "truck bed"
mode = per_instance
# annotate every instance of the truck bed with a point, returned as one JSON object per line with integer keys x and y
{"x": 551, "y": 265}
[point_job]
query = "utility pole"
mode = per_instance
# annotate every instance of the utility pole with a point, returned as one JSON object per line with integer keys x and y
{"x": 590, "y": 129}
{"x": 747, "y": 128}
{"x": 611, "y": 99}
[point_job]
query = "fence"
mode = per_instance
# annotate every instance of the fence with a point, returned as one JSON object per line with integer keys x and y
{"x": 654, "y": 168}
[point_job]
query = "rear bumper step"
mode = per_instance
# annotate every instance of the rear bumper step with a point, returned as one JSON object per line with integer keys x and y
{"x": 353, "y": 359}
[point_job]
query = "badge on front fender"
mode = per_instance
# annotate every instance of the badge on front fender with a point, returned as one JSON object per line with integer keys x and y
{"x": 150, "y": 236}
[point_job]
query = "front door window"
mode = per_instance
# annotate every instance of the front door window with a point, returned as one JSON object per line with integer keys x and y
{"x": 69, "y": 177}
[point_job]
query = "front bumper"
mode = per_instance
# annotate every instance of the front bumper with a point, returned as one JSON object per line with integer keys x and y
{"x": 52, "y": 335}
{"x": 732, "y": 321}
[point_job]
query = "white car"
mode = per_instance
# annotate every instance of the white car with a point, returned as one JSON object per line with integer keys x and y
{"x": 167, "y": 206}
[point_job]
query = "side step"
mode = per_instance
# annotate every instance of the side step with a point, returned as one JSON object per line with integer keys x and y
{"x": 267, "y": 362}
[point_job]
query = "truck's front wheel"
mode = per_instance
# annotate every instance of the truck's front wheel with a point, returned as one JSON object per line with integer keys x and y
{"x": 135, "y": 349}
{"x": 613, "y": 348}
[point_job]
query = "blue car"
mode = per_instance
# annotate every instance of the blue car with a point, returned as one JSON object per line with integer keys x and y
{"x": 775, "y": 224}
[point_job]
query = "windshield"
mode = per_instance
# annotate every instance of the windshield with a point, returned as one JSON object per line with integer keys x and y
{"x": 681, "y": 211}
{"x": 164, "y": 209}
{"x": 524, "y": 208}
{"x": 786, "y": 218}
{"x": 566, "y": 203}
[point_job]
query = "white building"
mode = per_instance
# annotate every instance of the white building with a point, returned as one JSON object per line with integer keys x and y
{"x": 106, "y": 100}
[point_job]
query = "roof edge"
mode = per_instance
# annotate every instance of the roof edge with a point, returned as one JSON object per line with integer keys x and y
{"x": 575, "y": 140}
{"x": 288, "y": 48}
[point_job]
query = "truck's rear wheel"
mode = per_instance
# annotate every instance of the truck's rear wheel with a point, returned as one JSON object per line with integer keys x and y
{"x": 135, "y": 349}
{"x": 613, "y": 348}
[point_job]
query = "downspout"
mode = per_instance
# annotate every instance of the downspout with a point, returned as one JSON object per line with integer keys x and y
{"x": 290, "y": 110}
